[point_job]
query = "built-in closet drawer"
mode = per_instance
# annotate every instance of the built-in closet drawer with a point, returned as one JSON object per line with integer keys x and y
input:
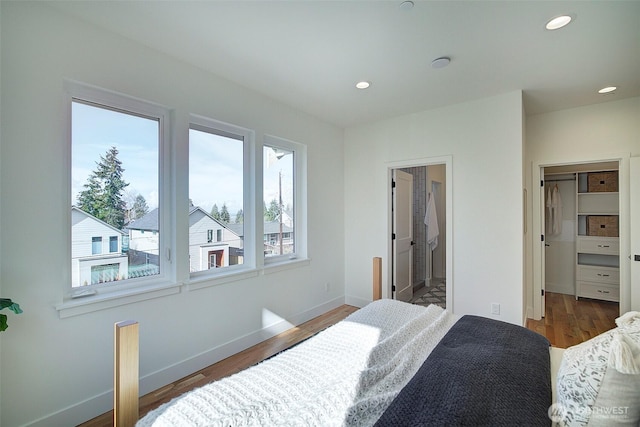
{"x": 599, "y": 291}
{"x": 598, "y": 245}
{"x": 592, "y": 273}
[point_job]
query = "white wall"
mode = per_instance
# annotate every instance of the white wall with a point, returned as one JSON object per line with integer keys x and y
{"x": 484, "y": 138}
{"x": 59, "y": 371}
{"x": 599, "y": 131}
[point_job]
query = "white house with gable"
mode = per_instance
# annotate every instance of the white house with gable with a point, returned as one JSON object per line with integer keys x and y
{"x": 96, "y": 251}
{"x": 211, "y": 244}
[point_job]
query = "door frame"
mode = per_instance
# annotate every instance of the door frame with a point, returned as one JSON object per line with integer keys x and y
{"x": 537, "y": 217}
{"x": 447, "y": 161}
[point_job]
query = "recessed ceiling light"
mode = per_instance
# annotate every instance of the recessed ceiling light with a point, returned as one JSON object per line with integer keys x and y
{"x": 558, "y": 22}
{"x": 363, "y": 85}
{"x": 406, "y": 5}
{"x": 440, "y": 62}
{"x": 607, "y": 89}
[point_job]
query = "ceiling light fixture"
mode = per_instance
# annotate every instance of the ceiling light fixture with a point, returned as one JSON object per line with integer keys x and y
{"x": 558, "y": 22}
{"x": 441, "y": 62}
{"x": 363, "y": 85}
{"x": 406, "y": 5}
{"x": 607, "y": 89}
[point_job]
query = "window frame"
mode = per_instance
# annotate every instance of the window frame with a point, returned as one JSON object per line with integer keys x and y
{"x": 299, "y": 199}
{"x": 98, "y": 294}
{"x": 247, "y": 136}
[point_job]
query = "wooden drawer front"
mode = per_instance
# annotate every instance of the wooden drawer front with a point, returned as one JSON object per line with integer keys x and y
{"x": 599, "y": 274}
{"x": 596, "y": 291}
{"x": 598, "y": 246}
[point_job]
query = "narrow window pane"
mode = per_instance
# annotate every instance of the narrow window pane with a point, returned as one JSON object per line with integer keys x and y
{"x": 115, "y": 191}
{"x": 278, "y": 201}
{"x": 216, "y": 182}
{"x": 96, "y": 245}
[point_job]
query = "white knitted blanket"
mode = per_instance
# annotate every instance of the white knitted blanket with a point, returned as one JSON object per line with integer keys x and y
{"x": 346, "y": 375}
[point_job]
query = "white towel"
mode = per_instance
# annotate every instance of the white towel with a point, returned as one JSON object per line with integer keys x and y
{"x": 431, "y": 221}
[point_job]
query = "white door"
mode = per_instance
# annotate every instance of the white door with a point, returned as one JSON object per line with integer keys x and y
{"x": 403, "y": 230}
{"x": 634, "y": 215}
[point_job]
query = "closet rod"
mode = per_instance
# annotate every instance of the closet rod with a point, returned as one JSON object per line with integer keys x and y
{"x": 557, "y": 180}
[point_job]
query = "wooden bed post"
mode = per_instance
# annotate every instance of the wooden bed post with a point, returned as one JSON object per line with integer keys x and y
{"x": 125, "y": 393}
{"x": 377, "y": 278}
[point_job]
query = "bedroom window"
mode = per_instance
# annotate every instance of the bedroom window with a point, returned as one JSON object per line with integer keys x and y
{"x": 117, "y": 189}
{"x": 219, "y": 196}
{"x": 284, "y": 199}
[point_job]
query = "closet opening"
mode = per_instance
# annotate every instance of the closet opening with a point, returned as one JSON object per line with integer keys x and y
{"x": 580, "y": 210}
{"x": 418, "y": 237}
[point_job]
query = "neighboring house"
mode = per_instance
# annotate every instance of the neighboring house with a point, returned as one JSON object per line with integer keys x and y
{"x": 144, "y": 244}
{"x": 272, "y": 235}
{"x": 211, "y": 243}
{"x": 96, "y": 251}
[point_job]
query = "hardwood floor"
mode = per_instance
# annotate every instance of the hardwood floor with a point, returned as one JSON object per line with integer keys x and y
{"x": 569, "y": 322}
{"x": 232, "y": 364}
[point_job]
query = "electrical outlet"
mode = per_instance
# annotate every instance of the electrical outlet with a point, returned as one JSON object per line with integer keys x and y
{"x": 326, "y": 287}
{"x": 495, "y": 308}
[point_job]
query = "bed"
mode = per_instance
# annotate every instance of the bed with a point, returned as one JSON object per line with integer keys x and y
{"x": 396, "y": 364}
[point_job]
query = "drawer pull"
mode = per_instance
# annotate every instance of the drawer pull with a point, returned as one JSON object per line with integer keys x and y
{"x": 603, "y": 275}
{"x": 603, "y": 246}
{"x": 603, "y": 292}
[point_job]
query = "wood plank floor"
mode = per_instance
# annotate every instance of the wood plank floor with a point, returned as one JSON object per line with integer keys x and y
{"x": 569, "y": 322}
{"x": 232, "y": 364}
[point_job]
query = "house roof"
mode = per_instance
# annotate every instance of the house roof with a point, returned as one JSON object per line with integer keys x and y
{"x": 495, "y": 47}
{"x": 76, "y": 209}
{"x": 148, "y": 222}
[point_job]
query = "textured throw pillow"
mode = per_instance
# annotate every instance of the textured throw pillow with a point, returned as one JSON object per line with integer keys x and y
{"x": 599, "y": 380}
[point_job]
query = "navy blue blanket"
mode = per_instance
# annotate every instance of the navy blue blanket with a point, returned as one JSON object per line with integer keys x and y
{"x": 482, "y": 373}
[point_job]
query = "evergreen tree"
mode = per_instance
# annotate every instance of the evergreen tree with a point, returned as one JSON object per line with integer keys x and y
{"x": 139, "y": 208}
{"x": 89, "y": 199}
{"x": 273, "y": 213}
{"x": 224, "y": 214}
{"x": 102, "y": 196}
{"x": 239, "y": 217}
{"x": 215, "y": 213}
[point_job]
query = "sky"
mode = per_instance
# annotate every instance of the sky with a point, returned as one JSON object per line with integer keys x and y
{"x": 215, "y": 162}
{"x": 95, "y": 130}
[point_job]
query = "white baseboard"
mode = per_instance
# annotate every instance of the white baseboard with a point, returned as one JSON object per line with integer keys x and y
{"x": 103, "y": 402}
{"x": 356, "y": 301}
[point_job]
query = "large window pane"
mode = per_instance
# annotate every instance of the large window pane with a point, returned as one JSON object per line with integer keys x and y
{"x": 279, "y": 217}
{"x": 216, "y": 197}
{"x": 115, "y": 192}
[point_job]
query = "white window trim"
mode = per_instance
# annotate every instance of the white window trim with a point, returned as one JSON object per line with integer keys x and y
{"x": 206, "y": 278}
{"x": 299, "y": 202}
{"x": 98, "y": 297}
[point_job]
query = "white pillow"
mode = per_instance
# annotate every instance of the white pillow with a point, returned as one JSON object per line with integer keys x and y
{"x": 598, "y": 382}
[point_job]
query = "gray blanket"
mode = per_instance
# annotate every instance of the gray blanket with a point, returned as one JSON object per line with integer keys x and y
{"x": 483, "y": 373}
